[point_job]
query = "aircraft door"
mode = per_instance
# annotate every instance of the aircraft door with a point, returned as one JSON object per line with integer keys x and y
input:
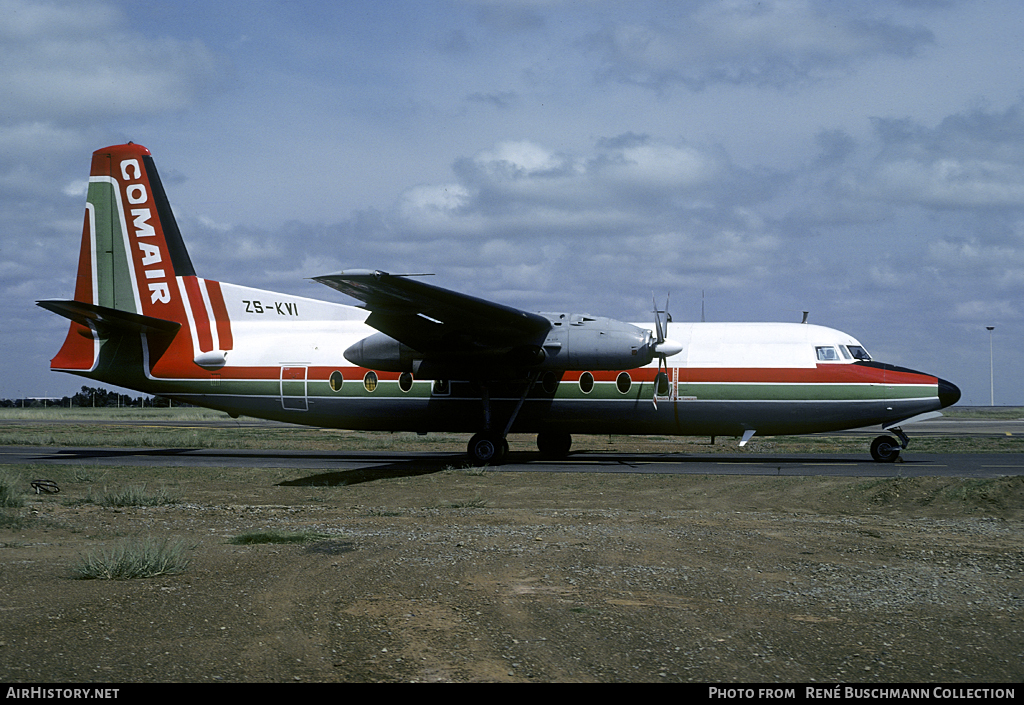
{"x": 293, "y": 388}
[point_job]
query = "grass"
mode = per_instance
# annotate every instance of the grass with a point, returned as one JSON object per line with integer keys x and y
{"x": 277, "y": 537}
{"x": 191, "y": 428}
{"x": 467, "y": 504}
{"x": 109, "y": 413}
{"x": 10, "y": 495}
{"x": 956, "y": 495}
{"x": 1001, "y": 413}
{"x": 134, "y": 558}
{"x": 133, "y": 496}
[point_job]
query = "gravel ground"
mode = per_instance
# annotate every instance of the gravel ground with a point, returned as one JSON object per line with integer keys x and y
{"x": 488, "y": 576}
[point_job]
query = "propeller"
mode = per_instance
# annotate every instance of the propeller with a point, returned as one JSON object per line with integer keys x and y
{"x": 663, "y": 347}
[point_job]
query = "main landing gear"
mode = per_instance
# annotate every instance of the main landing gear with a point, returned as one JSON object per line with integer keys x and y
{"x": 487, "y": 449}
{"x": 490, "y": 449}
{"x": 490, "y": 446}
{"x": 886, "y": 449}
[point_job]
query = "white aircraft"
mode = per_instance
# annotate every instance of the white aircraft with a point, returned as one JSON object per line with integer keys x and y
{"x": 416, "y": 357}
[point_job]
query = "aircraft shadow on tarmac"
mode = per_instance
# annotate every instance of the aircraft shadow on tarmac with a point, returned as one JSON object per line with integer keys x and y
{"x": 426, "y": 464}
{"x": 387, "y": 465}
{"x": 406, "y": 468}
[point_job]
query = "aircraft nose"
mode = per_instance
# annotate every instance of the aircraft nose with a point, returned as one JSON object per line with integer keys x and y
{"x": 949, "y": 393}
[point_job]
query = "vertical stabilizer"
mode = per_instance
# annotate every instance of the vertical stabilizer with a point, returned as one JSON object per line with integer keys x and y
{"x": 134, "y": 272}
{"x": 133, "y": 243}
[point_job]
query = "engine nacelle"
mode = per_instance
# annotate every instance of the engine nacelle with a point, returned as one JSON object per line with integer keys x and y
{"x": 382, "y": 352}
{"x": 574, "y": 342}
{"x": 579, "y": 342}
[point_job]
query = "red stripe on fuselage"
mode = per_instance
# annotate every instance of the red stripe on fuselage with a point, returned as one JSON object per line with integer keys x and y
{"x": 199, "y": 314}
{"x": 823, "y": 374}
{"x": 220, "y": 314}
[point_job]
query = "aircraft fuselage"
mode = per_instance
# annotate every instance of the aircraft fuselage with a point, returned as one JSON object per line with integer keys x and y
{"x": 421, "y": 358}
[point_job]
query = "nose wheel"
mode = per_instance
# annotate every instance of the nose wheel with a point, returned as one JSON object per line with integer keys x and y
{"x": 886, "y": 449}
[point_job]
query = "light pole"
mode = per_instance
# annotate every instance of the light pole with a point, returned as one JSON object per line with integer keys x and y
{"x": 991, "y": 369}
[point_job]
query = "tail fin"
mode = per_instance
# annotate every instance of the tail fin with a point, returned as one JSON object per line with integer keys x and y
{"x": 131, "y": 246}
{"x": 134, "y": 273}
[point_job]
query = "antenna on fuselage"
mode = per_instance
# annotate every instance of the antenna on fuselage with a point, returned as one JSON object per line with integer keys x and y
{"x": 701, "y": 305}
{"x": 806, "y": 313}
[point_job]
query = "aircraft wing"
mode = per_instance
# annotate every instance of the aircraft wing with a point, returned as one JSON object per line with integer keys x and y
{"x": 432, "y": 319}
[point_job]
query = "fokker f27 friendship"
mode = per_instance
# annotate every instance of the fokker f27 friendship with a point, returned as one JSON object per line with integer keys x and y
{"x": 417, "y": 357}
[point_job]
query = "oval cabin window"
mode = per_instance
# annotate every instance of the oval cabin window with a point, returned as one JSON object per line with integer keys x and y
{"x": 370, "y": 381}
{"x": 336, "y": 381}
{"x": 405, "y": 381}
{"x": 623, "y": 382}
{"x": 586, "y": 383}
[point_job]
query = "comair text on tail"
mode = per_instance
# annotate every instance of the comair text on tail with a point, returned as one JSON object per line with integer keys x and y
{"x": 416, "y": 357}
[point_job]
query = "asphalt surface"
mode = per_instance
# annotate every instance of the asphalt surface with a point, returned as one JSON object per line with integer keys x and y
{"x": 345, "y": 466}
{"x": 331, "y": 468}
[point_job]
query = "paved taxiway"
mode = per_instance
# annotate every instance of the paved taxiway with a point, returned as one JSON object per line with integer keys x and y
{"x": 336, "y": 466}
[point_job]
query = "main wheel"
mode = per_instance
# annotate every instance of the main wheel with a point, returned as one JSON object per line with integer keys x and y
{"x": 554, "y": 444}
{"x": 487, "y": 449}
{"x": 885, "y": 449}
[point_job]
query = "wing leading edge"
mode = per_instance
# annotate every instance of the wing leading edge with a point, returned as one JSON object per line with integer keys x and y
{"x": 431, "y": 319}
{"x": 439, "y": 333}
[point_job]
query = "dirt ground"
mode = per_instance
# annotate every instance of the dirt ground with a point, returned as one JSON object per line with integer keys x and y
{"x": 466, "y": 575}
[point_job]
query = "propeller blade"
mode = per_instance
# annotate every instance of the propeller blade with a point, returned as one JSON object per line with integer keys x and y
{"x": 663, "y": 348}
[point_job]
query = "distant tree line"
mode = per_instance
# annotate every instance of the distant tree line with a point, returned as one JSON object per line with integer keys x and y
{"x": 90, "y": 397}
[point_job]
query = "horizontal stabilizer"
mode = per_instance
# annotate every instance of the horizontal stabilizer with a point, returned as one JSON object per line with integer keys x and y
{"x": 105, "y": 320}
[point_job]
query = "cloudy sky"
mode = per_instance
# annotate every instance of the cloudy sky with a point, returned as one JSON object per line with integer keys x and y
{"x": 863, "y": 161}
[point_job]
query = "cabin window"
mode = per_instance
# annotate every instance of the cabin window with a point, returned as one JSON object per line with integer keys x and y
{"x": 623, "y": 382}
{"x": 827, "y": 353}
{"x": 441, "y": 388}
{"x": 405, "y": 381}
{"x": 858, "y": 352}
{"x": 370, "y": 381}
{"x": 336, "y": 381}
{"x": 586, "y": 383}
{"x": 549, "y": 382}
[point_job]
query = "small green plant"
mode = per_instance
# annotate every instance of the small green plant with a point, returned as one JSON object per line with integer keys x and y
{"x": 134, "y": 558}
{"x": 257, "y": 537}
{"x": 12, "y": 521}
{"x": 134, "y": 496}
{"x": 384, "y": 513}
{"x": 472, "y": 470}
{"x": 468, "y": 504}
{"x": 10, "y": 496}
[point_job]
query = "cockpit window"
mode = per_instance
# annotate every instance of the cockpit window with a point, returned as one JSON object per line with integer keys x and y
{"x": 827, "y": 353}
{"x": 858, "y": 352}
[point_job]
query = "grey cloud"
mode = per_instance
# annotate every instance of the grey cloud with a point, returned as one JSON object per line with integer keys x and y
{"x": 972, "y": 160}
{"x": 773, "y": 44}
{"x": 96, "y": 69}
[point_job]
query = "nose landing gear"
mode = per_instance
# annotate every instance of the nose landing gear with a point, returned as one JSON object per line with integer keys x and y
{"x": 886, "y": 449}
